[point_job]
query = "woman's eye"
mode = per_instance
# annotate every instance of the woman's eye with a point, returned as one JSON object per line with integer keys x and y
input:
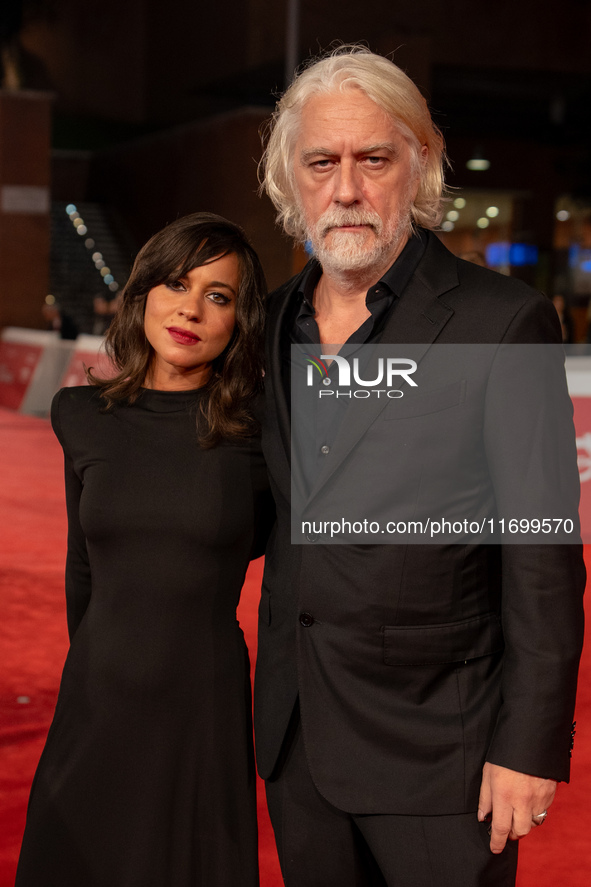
{"x": 176, "y": 285}
{"x": 219, "y": 298}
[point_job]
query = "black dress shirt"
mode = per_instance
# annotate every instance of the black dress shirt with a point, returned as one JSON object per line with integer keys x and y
{"x": 301, "y": 329}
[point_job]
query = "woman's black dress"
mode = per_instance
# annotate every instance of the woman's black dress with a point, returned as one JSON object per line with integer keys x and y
{"x": 147, "y": 778}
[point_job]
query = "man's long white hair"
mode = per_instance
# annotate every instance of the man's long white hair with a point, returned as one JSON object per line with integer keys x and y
{"x": 354, "y": 67}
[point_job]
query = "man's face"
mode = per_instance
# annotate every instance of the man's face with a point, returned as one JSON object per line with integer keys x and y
{"x": 355, "y": 180}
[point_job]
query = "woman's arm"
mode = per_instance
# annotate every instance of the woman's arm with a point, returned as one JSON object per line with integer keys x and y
{"x": 78, "y": 579}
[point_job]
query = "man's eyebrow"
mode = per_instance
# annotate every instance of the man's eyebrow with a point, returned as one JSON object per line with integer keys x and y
{"x": 381, "y": 146}
{"x": 308, "y": 153}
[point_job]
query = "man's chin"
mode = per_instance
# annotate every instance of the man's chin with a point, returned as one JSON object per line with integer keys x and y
{"x": 349, "y": 252}
{"x": 340, "y": 262}
{"x": 342, "y": 240}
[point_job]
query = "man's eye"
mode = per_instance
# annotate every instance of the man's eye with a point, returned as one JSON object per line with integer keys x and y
{"x": 375, "y": 161}
{"x": 321, "y": 164}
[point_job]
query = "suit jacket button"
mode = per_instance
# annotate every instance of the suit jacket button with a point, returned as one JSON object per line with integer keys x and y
{"x": 306, "y": 619}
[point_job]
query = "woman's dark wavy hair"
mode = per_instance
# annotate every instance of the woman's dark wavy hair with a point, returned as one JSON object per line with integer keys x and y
{"x": 187, "y": 243}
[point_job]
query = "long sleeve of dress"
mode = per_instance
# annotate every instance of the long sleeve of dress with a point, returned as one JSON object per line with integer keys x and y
{"x": 78, "y": 580}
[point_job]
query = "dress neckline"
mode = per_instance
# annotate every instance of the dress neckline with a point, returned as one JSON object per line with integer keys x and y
{"x": 169, "y": 401}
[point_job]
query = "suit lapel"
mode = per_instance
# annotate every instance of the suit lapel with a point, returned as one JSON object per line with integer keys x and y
{"x": 277, "y": 439}
{"x": 421, "y": 313}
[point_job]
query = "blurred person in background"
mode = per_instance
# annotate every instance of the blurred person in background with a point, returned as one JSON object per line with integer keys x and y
{"x": 58, "y": 320}
{"x": 565, "y": 317}
{"x": 104, "y": 311}
{"x": 475, "y": 256}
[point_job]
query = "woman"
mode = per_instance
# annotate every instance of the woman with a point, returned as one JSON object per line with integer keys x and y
{"x": 147, "y": 777}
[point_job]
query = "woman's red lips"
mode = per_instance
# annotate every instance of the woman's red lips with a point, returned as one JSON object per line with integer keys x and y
{"x": 183, "y": 337}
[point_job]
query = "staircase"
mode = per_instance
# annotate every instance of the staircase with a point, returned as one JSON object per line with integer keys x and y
{"x": 84, "y": 243}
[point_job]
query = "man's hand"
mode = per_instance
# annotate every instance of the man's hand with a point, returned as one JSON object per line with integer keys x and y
{"x": 513, "y": 799}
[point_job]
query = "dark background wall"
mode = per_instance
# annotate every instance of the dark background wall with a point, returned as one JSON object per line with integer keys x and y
{"x": 157, "y": 106}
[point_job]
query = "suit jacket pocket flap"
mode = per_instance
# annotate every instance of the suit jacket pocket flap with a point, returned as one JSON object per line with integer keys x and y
{"x": 438, "y": 644}
{"x": 418, "y": 403}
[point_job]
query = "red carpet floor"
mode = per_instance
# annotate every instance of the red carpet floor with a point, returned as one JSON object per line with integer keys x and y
{"x": 33, "y": 645}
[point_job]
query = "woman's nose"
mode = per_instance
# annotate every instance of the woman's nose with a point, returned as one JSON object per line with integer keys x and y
{"x": 189, "y": 307}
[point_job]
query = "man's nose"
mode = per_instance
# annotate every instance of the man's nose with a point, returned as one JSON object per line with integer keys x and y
{"x": 348, "y": 185}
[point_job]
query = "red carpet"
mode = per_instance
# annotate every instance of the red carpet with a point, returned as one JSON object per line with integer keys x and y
{"x": 33, "y": 645}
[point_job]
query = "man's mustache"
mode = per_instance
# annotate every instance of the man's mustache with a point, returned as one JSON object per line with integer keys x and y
{"x": 339, "y": 219}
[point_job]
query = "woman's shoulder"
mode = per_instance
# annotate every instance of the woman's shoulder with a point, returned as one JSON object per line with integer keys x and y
{"x": 74, "y": 406}
{"x": 75, "y": 398}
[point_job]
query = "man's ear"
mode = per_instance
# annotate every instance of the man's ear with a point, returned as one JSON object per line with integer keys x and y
{"x": 424, "y": 154}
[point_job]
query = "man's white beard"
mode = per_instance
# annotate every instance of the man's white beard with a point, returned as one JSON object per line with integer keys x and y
{"x": 342, "y": 251}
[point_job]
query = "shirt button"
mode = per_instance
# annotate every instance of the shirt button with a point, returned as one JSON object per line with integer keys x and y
{"x": 325, "y": 450}
{"x": 306, "y": 619}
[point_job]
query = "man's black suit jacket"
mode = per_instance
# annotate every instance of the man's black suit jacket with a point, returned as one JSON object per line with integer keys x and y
{"x": 414, "y": 664}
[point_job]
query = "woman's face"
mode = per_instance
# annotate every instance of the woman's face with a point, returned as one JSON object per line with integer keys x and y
{"x": 189, "y": 322}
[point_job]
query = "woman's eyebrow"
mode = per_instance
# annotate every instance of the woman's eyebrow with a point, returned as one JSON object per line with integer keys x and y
{"x": 221, "y": 285}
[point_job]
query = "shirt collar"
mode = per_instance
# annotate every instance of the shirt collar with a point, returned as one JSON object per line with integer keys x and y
{"x": 395, "y": 278}
{"x": 391, "y": 284}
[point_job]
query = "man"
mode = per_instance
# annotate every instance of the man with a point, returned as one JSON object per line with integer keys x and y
{"x": 390, "y": 758}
